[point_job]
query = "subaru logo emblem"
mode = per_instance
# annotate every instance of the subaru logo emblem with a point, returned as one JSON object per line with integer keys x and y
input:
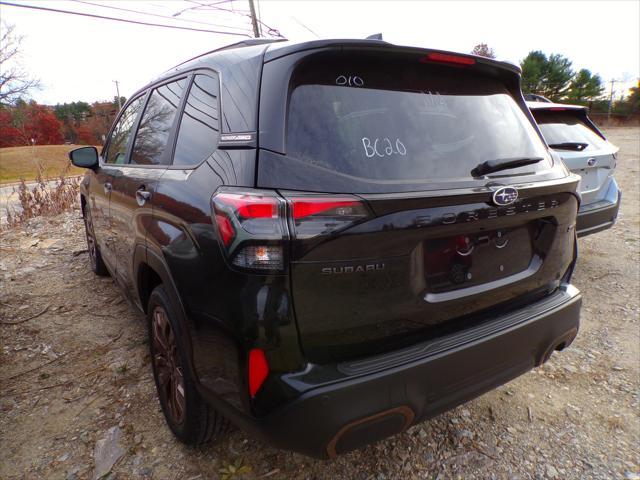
{"x": 505, "y": 196}
{"x": 592, "y": 161}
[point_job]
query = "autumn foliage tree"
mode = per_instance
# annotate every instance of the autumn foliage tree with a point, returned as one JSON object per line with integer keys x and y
{"x": 71, "y": 115}
{"x": 29, "y": 121}
{"x": 9, "y": 134}
{"x": 483, "y": 50}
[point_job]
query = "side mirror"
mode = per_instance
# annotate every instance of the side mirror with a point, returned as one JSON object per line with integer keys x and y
{"x": 84, "y": 157}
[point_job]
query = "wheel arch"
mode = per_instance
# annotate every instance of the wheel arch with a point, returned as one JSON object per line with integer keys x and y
{"x": 151, "y": 270}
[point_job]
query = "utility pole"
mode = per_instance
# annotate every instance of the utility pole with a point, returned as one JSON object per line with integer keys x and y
{"x": 612, "y": 81}
{"x": 254, "y": 20}
{"x": 118, "y": 92}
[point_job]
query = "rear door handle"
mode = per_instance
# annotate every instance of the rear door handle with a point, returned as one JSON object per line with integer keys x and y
{"x": 107, "y": 188}
{"x": 142, "y": 196}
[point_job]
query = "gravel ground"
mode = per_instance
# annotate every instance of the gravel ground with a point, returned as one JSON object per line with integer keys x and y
{"x": 76, "y": 392}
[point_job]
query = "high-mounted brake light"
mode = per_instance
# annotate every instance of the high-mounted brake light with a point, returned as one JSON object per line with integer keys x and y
{"x": 557, "y": 109}
{"x": 447, "y": 58}
{"x": 258, "y": 370}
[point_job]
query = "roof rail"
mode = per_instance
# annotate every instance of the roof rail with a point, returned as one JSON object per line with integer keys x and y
{"x": 243, "y": 43}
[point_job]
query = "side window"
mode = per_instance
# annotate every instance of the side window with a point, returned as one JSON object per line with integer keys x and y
{"x": 117, "y": 146}
{"x": 200, "y": 124}
{"x": 155, "y": 126}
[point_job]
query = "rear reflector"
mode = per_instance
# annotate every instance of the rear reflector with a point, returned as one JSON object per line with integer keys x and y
{"x": 258, "y": 370}
{"x": 447, "y": 58}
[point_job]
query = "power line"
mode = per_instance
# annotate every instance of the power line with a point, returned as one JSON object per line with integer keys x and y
{"x": 213, "y": 6}
{"x": 137, "y": 22}
{"x": 157, "y": 15}
{"x": 245, "y": 13}
{"x": 304, "y": 26}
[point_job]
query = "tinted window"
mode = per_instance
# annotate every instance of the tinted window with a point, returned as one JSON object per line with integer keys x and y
{"x": 406, "y": 122}
{"x": 566, "y": 128}
{"x": 155, "y": 126}
{"x": 117, "y": 148}
{"x": 200, "y": 125}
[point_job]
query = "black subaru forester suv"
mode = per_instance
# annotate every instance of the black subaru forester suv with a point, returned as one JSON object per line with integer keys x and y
{"x": 333, "y": 240}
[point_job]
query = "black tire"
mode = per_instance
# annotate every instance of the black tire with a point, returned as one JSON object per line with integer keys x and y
{"x": 95, "y": 258}
{"x": 192, "y": 420}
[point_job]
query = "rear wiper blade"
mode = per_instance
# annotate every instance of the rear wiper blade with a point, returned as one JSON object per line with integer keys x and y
{"x": 578, "y": 146}
{"x": 498, "y": 164}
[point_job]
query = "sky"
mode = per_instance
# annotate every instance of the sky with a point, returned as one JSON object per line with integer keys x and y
{"x": 78, "y": 58}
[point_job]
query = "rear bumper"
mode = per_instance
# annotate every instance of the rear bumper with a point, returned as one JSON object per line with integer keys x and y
{"x": 383, "y": 395}
{"x": 597, "y": 216}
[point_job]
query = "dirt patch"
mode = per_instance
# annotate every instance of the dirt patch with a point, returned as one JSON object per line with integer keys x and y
{"x": 75, "y": 373}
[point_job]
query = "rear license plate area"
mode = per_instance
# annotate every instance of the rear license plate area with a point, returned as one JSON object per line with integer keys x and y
{"x": 588, "y": 179}
{"x": 462, "y": 261}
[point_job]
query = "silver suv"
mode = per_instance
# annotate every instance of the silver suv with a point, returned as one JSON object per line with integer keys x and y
{"x": 586, "y": 152}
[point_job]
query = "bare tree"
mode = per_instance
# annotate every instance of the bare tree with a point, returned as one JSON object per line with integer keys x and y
{"x": 15, "y": 82}
{"x": 483, "y": 50}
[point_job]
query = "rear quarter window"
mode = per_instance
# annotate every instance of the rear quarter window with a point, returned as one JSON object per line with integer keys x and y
{"x": 200, "y": 124}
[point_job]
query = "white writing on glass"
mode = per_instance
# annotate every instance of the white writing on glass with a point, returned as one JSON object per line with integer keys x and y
{"x": 382, "y": 147}
{"x": 435, "y": 102}
{"x": 349, "y": 80}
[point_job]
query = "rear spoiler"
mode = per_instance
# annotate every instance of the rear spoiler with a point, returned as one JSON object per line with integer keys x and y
{"x": 281, "y": 49}
{"x": 579, "y": 111}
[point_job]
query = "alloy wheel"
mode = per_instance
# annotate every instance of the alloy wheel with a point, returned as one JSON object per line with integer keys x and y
{"x": 168, "y": 367}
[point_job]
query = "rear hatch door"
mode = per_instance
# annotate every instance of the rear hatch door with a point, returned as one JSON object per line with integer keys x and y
{"x": 581, "y": 145}
{"x": 392, "y": 239}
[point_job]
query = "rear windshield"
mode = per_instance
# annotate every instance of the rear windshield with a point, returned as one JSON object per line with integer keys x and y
{"x": 564, "y": 129}
{"x": 398, "y": 122}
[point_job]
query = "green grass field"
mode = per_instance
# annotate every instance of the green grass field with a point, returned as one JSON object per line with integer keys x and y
{"x": 21, "y": 162}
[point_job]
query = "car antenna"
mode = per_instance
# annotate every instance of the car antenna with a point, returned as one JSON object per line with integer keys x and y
{"x": 375, "y": 36}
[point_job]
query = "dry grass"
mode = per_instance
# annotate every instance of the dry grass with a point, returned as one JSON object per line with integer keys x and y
{"x": 18, "y": 163}
{"x": 46, "y": 198}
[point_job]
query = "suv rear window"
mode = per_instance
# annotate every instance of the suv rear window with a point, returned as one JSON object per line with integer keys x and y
{"x": 397, "y": 122}
{"x": 565, "y": 127}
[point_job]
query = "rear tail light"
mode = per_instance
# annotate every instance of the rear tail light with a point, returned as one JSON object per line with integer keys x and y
{"x": 254, "y": 224}
{"x": 261, "y": 257}
{"x": 320, "y": 215}
{"x": 251, "y": 227}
